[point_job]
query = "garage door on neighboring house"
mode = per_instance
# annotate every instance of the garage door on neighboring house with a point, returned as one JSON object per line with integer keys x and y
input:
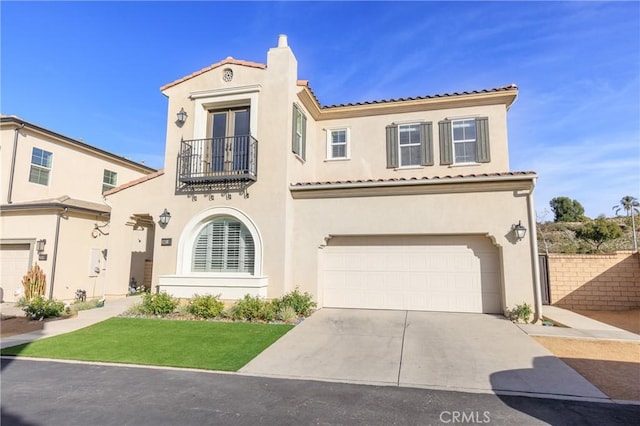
{"x": 15, "y": 259}
{"x": 432, "y": 273}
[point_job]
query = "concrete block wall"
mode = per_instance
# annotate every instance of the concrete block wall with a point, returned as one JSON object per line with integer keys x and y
{"x": 603, "y": 282}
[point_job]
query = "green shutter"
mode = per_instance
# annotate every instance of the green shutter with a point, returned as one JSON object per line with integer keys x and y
{"x": 426, "y": 144}
{"x": 301, "y": 148}
{"x": 294, "y": 147}
{"x": 392, "y": 146}
{"x": 303, "y": 143}
{"x": 446, "y": 155}
{"x": 482, "y": 137}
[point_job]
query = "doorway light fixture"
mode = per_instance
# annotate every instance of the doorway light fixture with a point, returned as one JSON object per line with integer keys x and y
{"x": 519, "y": 230}
{"x": 165, "y": 217}
{"x": 40, "y": 245}
{"x": 182, "y": 116}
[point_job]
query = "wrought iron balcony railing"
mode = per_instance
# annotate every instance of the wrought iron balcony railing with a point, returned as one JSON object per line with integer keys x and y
{"x": 216, "y": 160}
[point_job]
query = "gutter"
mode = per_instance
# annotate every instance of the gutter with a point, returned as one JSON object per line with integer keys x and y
{"x": 55, "y": 252}
{"x": 13, "y": 162}
{"x": 410, "y": 182}
{"x": 17, "y": 207}
{"x": 533, "y": 242}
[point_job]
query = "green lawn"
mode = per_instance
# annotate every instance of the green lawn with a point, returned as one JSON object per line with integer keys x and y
{"x": 192, "y": 344}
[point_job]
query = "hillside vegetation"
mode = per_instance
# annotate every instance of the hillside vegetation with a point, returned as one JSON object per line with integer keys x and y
{"x": 560, "y": 237}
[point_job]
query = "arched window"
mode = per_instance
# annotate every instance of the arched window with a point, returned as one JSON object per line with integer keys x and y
{"x": 223, "y": 245}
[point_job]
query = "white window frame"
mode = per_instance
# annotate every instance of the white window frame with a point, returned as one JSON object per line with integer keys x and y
{"x": 108, "y": 185}
{"x": 193, "y": 228}
{"x": 221, "y": 98}
{"x": 400, "y": 146}
{"x": 222, "y": 249}
{"x": 463, "y": 141}
{"x": 346, "y": 143}
{"x": 41, "y": 167}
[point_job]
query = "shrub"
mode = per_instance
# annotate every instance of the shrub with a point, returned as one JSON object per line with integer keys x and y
{"x": 158, "y": 304}
{"x": 599, "y": 231}
{"x": 206, "y": 306}
{"x": 253, "y": 308}
{"x": 521, "y": 313}
{"x": 302, "y": 303}
{"x": 40, "y": 308}
{"x": 287, "y": 314}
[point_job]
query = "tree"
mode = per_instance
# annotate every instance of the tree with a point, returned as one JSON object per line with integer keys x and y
{"x": 566, "y": 210}
{"x": 599, "y": 231}
{"x": 630, "y": 205}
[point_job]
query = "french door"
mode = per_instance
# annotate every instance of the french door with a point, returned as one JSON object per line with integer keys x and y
{"x": 230, "y": 136}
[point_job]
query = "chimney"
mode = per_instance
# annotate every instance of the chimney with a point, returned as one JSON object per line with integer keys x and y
{"x": 282, "y": 40}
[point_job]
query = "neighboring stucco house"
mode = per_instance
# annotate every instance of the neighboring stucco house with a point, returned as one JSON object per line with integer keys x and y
{"x": 390, "y": 204}
{"x": 52, "y": 211}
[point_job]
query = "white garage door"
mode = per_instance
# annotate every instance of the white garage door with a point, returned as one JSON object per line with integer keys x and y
{"x": 14, "y": 263}
{"x": 453, "y": 274}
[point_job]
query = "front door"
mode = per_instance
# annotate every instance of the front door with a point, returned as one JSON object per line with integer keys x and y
{"x": 230, "y": 140}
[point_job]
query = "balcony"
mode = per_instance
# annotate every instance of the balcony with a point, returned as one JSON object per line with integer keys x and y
{"x": 205, "y": 162}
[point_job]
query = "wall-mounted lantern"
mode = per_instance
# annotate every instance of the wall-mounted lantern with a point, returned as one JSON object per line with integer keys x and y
{"x": 165, "y": 217}
{"x": 519, "y": 230}
{"x": 40, "y": 245}
{"x": 182, "y": 116}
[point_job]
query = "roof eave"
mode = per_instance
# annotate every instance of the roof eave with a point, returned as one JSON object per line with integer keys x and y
{"x": 56, "y": 206}
{"x": 17, "y": 121}
{"x": 519, "y": 180}
{"x": 306, "y": 96}
{"x": 227, "y": 61}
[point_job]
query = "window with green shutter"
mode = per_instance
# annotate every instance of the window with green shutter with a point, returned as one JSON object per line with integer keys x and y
{"x": 224, "y": 245}
{"x": 299, "y": 134}
{"x": 464, "y": 141}
{"x": 409, "y": 145}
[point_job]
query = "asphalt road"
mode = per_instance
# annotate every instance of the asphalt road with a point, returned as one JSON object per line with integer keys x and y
{"x": 53, "y": 393}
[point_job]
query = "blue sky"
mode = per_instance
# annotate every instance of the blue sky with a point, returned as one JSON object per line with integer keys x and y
{"x": 93, "y": 70}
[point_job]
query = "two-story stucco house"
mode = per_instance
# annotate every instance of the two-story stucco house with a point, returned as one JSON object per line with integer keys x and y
{"x": 390, "y": 204}
{"x": 52, "y": 211}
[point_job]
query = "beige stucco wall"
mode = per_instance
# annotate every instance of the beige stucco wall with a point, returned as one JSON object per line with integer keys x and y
{"x": 433, "y": 214}
{"x": 74, "y": 250}
{"x": 75, "y": 171}
{"x": 267, "y": 206}
{"x": 368, "y": 146}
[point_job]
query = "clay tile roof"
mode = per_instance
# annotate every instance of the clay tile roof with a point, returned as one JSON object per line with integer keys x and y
{"x": 443, "y": 179}
{"x": 134, "y": 182}
{"x": 507, "y": 88}
{"x": 227, "y": 61}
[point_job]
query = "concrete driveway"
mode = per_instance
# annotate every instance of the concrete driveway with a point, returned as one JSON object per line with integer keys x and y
{"x": 436, "y": 350}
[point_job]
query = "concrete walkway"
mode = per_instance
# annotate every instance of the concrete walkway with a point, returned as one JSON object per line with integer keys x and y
{"x": 436, "y": 350}
{"x": 573, "y": 325}
{"x": 86, "y": 318}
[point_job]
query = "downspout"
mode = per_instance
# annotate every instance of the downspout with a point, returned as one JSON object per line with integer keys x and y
{"x": 13, "y": 162}
{"x": 533, "y": 241}
{"x": 55, "y": 252}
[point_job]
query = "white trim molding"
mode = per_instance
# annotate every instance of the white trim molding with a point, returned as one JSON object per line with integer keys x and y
{"x": 329, "y": 143}
{"x": 195, "y": 225}
{"x": 210, "y": 99}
